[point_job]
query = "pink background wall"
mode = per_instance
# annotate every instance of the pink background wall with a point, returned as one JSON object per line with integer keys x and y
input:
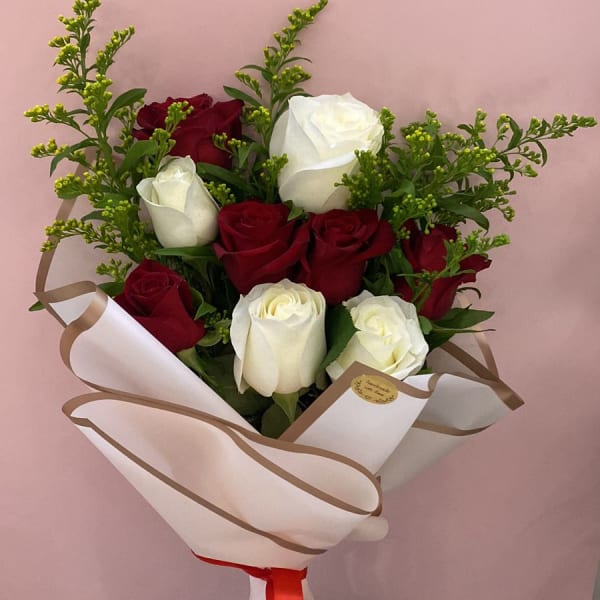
{"x": 513, "y": 514}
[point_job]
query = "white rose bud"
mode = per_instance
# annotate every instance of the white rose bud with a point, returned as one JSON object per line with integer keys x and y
{"x": 278, "y": 334}
{"x": 182, "y": 211}
{"x": 319, "y": 136}
{"x": 389, "y": 337}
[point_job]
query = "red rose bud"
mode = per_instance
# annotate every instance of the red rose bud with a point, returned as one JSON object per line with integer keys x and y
{"x": 341, "y": 243}
{"x": 160, "y": 301}
{"x": 193, "y": 136}
{"x": 257, "y": 243}
{"x": 427, "y": 252}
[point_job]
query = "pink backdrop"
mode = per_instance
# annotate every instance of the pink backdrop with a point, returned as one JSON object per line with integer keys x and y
{"x": 513, "y": 514}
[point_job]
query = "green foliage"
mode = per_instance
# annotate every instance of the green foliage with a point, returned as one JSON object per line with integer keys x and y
{"x": 279, "y": 78}
{"x": 109, "y": 182}
{"x": 339, "y": 329}
{"x": 268, "y": 88}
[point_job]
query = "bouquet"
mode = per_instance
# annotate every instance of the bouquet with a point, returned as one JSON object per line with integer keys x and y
{"x": 283, "y": 326}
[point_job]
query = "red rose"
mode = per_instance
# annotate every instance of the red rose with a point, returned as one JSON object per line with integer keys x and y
{"x": 427, "y": 252}
{"x": 257, "y": 243}
{"x": 341, "y": 243}
{"x": 193, "y": 136}
{"x": 160, "y": 301}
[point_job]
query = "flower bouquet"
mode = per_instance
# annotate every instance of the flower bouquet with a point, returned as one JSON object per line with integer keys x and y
{"x": 282, "y": 328}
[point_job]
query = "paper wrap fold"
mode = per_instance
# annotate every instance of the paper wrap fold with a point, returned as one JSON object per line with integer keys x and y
{"x": 230, "y": 493}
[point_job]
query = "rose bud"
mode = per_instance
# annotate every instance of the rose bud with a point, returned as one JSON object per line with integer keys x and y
{"x": 341, "y": 243}
{"x": 182, "y": 211}
{"x": 160, "y": 301}
{"x": 278, "y": 334}
{"x": 319, "y": 135}
{"x": 427, "y": 252}
{"x": 257, "y": 243}
{"x": 194, "y": 135}
{"x": 388, "y": 339}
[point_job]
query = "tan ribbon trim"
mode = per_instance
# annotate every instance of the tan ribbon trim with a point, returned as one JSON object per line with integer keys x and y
{"x": 80, "y": 400}
{"x": 95, "y": 310}
{"x": 332, "y": 394}
{"x": 487, "y": 375}
{"x": 88, "y": 319}
{"x": 229, "y": 428}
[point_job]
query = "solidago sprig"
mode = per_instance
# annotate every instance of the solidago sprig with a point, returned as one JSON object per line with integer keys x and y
{"x": 268, "y": 87}
{"x": 107, "y": 180}
{"x": 279, "y": 78}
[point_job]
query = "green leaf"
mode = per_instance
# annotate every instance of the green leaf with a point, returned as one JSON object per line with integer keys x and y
{"x": 68, "y": 194}
{"x": 210, "y": 338}
{"x": 437, "y": 338}
{"x": 254, "y": 68}
{"x": 112, "y": 288}
{"x": 95, "y": 215}
{"x": 239, "y": 95}
{"x": 468, "y": 128}
{"x": 406, "y": 187}
{"x": 517, "y": 133}
{"x": 470, "y": 288}
{"x": 396, "y": 262}
{"x": 36, "y": 306}
{"x": 339, "y": 329}
{"x": 125, "y": 99}
{"x": 206, "y": 170}
{"x": 288, "y": 404}
{"x": 138, "y": 150}
{"x": 463, "y": 318}
{"x": 220, "y": 371}
{"x": 379, "y": 284}
{"x": 274, "y": 422}
{"x": 68, "y": 151}
{"x": 453, "y": 205}
{"x": 543, "y": 152}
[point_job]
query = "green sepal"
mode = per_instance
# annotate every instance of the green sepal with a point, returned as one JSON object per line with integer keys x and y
{"x": 295, "y": 211}
{"x": 274, "y": 422}
{"x": 288, "y": 404}
{"x": 210, "y": 338}
{"x": 204, "y": 309}
{"x": 425, "y": 324}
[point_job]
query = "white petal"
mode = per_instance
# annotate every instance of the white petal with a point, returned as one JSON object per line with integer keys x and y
{"x": 173, "y": 229}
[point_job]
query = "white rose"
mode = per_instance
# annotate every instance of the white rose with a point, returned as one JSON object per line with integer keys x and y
{"x": 319, "y": 136}
{"x": 182, "y": 211}
{"x": 389, "y": 337}
{"x": 278, "y": 334}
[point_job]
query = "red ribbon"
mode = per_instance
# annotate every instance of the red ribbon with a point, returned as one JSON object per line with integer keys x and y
{"x": 282, "y": 584}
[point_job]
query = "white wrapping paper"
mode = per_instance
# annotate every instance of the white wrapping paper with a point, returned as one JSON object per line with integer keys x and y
{"x": 231, "y": 494}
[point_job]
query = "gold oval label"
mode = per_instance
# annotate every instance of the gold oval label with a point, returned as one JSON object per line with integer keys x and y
{"x": 375, "y": 389}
